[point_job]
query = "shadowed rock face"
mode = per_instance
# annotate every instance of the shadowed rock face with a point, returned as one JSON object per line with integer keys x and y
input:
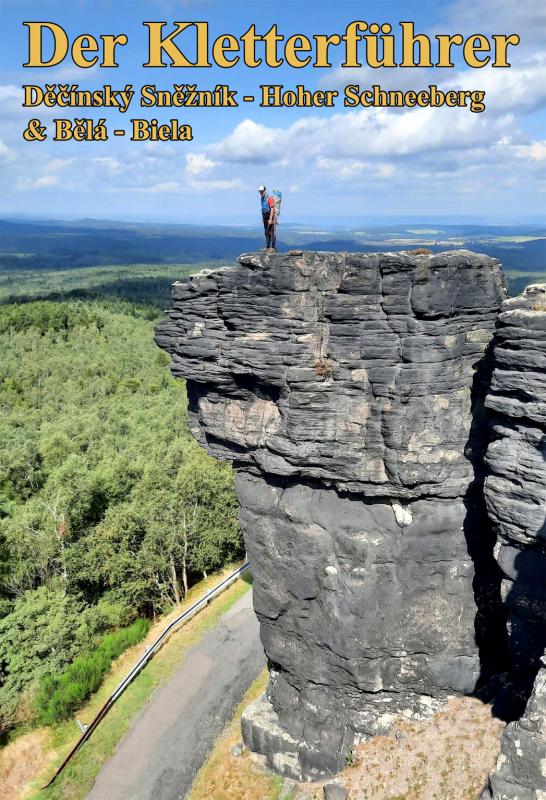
{"x": 521, "y": 767}
{"x": 515, "y": 492}
{"x": 347, "y": 390}
{"x": 515, "y": 487}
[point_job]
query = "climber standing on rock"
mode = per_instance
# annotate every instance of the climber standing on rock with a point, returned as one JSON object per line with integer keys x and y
{"x": 268, "y": 218}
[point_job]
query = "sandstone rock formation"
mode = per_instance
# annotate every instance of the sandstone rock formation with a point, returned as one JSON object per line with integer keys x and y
{"x": 347, "y": 390}
{"x": 521, "y": 766}
{"x": 515, "y": 491}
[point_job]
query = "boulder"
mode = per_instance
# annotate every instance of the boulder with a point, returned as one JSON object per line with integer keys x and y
{"x": 335, "y": 791}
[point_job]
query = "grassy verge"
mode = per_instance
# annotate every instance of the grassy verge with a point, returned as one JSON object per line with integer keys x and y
{"x": 63, "y": 694}
{"x": 227, "y": 777}
{"x": 77, "y": 779}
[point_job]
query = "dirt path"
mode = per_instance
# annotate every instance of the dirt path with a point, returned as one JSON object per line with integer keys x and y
{"x": 172, "y": 736}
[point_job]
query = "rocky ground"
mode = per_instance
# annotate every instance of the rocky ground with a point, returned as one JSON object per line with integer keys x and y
{"x": 447, "y": 757}
{"x": 444, "y": 758}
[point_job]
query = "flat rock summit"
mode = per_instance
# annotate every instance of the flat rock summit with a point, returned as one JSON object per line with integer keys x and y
{"x": 386, "y": 427}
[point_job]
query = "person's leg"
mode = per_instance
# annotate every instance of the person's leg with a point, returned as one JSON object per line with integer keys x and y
{"x": 265, "y": 219}
{"x": 274, "y": 236}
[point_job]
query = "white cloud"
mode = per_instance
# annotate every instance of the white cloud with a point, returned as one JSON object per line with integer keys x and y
{"x": 109, "y": 163}
{"x": 168, "y": 187}
{"x": 158, "y": 149}
{"x": 251, "y": 142}
{"x": 6, "y": 153}
{"x": 343, "y": 168}
{"x": 58, "y": 164}
{"x": 535, "y": 151}
{"x": 520, "y": 89}
{"x": 197, "y": 163}
{"x": 45, "y": 181}
{"x": 11, "y": 98}
{"x": 538, "y": 151}
{"x": 11, "y": 104}
{"x": 228, "y": 184}
{"x": 359, "y": 134}
{"x": 386, "y": 170}
{"x": 386, "y": 77}
{"x": 350, "y": 169}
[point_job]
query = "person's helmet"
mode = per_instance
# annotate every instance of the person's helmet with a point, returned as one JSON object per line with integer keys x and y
{"x": 261, "y": 188}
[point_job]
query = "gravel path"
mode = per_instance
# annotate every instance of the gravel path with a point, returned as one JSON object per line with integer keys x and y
{"x": 171, "y": 737}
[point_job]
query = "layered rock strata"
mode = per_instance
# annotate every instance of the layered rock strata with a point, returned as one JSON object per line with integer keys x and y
{"x": 515, "y": 492}
{"x": 345, "y": 388}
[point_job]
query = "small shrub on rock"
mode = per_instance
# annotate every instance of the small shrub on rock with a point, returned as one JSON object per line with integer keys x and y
{"x": 323, "y": 367}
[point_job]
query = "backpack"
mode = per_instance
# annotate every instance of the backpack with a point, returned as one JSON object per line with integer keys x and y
{"x": 277, "y": 197}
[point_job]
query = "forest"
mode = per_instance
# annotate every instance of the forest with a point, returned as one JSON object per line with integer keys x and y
{"x": 109, "y": 510}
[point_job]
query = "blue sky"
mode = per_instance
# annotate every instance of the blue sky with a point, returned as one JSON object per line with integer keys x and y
{"x": 330, "y": 163}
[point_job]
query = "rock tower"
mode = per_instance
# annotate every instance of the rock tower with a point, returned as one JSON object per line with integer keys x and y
{"x": 347, "y": 390}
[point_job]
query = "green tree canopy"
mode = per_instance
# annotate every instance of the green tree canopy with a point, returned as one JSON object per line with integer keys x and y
{"x": 108, "y": 508}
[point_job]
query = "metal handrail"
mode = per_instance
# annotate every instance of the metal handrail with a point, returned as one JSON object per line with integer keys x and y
{"x": 142, "y": 661}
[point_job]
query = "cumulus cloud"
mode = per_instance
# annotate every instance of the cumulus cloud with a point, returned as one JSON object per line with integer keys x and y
{"x": 359, "y": 134}
{"x": 197, "y": 163}
{"x": 520, "y": 89}
{"x": 251, "y": 142}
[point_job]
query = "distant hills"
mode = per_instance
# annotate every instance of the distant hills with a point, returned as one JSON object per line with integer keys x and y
{"x": 67, "y": 245}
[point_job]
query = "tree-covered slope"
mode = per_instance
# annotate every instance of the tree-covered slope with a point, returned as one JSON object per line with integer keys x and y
{"x": 107, "y": 508}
